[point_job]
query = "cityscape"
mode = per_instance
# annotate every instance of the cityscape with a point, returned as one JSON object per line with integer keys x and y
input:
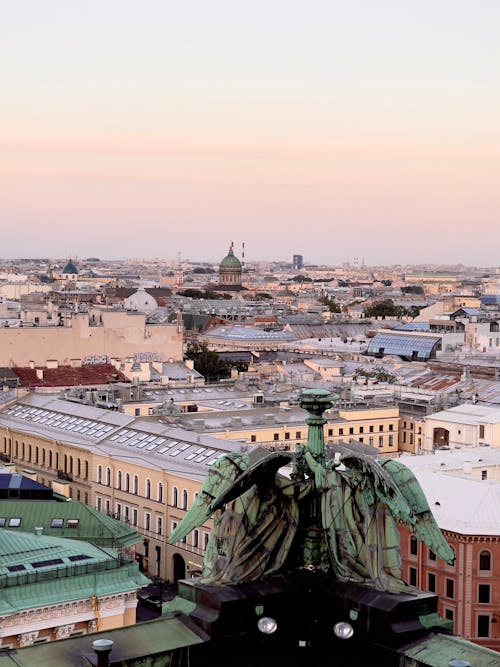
{"x": 250, "y": 334}
{"x": 122, "y": 381}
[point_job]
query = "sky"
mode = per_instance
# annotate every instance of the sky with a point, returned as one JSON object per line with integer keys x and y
{"x": 332, "y": 129}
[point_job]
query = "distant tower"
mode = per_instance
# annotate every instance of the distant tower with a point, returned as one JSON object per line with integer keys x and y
{"x": 298, "y": 262}
{"x": 178, "y": 273}
{"x": 230, "y": 270}
{"x": 243, "y": 255}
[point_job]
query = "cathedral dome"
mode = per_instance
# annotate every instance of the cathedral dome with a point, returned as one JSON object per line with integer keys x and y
{"x": 230, "y": 261}
{"x": 70, "y": 268}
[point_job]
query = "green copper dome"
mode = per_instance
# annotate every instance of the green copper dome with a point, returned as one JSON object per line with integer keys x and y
{"x": 230, "y": 261}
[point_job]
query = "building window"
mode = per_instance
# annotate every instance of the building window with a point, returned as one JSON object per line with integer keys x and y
{"x": 137, "y": 412}
{"x": 391, "y": 427}
{"x": 484, "y": 593}
{"x": 127, "y": 482}
{"x": 175, "y": 496}
{"x": 99, "y": 471}
{"x": 118, "y": 513}
{"x": 108, "y": 476}
{"x": 361, "y": 440}
{"x": 136, "y": 485}
{"x": 148, "y": 488}
{"x": 147, "y": 520}
{"x": 98, "y": 504}
{"x": 450, "y": 588}
{"x": 484, "y": 474}
{"x": 351, "y": 430}
{"x": 126, "y": 513}
{"x": 485, "y": 561}
{"x": 381, "y": 427}
{"x": 380, "y": 440}
{"x": 371, "y": 428}
{"x": 330, "y": 432}
{"x": 205, "y": 539}
{"x": 119, "y": 479}
{"x": 134, "y": 517}
{"x": 159, "y": 525}
{"x": 253, "y": 438}
{"x": 184, "y": 500}
{"x": 483, "y": 625}
{"x": 160, "y": 492}
{"x": 287, "y": 436}
{"x": 341, "y": 431}
{"x": 276, "y": 436}
{"x": 361, "y": 429}
{"x": 370, "y": 441}
{"x": 412, "y": 572}
{"x": 391, "y": 441}
{"x": 413, "y": 545}
{"x": 431, "y": 582}
{"x": 432, "y": 555}
{"x": 481, "y": 431}
{"x": 298, "y": 435}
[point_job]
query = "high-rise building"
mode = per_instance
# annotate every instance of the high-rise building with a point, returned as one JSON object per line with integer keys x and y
{"x": 298, "y": 262}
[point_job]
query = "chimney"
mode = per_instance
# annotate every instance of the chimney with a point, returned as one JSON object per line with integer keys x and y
{"x": 103, "y": 648}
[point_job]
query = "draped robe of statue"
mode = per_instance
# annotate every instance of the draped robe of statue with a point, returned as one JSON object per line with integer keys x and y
{"x": 253, "y": 534}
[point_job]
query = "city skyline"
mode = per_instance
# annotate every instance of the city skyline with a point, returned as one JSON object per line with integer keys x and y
{"x": 321, "y": 129}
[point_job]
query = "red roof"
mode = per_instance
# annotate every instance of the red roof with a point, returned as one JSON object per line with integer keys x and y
{"x": 69, "y": 376}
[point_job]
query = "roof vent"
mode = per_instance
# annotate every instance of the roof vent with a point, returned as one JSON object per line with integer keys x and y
{"x": 38, "y": 530}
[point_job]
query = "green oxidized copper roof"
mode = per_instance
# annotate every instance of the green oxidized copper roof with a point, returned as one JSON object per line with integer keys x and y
{"x": 230, "y": 261}
{"x": 92, "y": 526}
{"x": 50, "y": 570}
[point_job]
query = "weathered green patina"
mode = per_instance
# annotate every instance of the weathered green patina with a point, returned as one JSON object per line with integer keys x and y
{"x": 339, "y": 517}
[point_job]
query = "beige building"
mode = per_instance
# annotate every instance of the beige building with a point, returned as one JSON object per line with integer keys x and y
{"x": 142, "y": 472}
{"x": 109, "y": 335}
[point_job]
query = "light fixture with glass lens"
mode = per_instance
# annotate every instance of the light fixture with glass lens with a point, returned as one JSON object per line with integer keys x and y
{"x": 343, "y": 630}
{"x": 267, "y": 625}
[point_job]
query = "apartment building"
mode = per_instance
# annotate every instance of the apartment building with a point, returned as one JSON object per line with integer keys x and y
{"x": 144, "y": 473}
{"x": 463, "y": 492}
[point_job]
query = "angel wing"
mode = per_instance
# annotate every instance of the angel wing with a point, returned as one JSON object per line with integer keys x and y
{"x": 396, "y": 486}
{"x": 422, "y": 521}
{"x": 259, "y": 473}
{"x": 221, "y": 475}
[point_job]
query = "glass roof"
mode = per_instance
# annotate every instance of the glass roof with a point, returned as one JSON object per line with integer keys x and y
{"x": 412, "y": 347}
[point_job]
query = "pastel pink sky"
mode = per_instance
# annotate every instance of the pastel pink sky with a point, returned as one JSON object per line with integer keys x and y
{"x": 147, "y": 129}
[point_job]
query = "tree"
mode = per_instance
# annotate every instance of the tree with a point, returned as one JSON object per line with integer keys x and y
{"x": 207, "y": 362}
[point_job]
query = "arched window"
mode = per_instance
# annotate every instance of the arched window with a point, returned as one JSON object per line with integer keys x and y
{"x": 108, "y": 476}
{"x": 136, "y": 484}
{"x": 184, "y": 499}
{"x": 484, "y": 561}
{"x": 160, "y": 492}
{"x": 175, "y": 496}
{"x": 78, "y": 467}
{"x": 148, "y": 488}
{"x": 86, "y": 469}
{"x": 413, "y": 545}
{"x": 70, "y": 465}
{"x": 57, "y": 460}
{"x": 50, "y": 458}
{"x": 127, "y": 482}
{"x": 119, "y": 479}
{"x": 99, "y": 474}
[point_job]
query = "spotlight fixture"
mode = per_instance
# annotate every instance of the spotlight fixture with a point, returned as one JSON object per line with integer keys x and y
{"x": 267, "y": 625}
{"x": 343, "y": 630}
